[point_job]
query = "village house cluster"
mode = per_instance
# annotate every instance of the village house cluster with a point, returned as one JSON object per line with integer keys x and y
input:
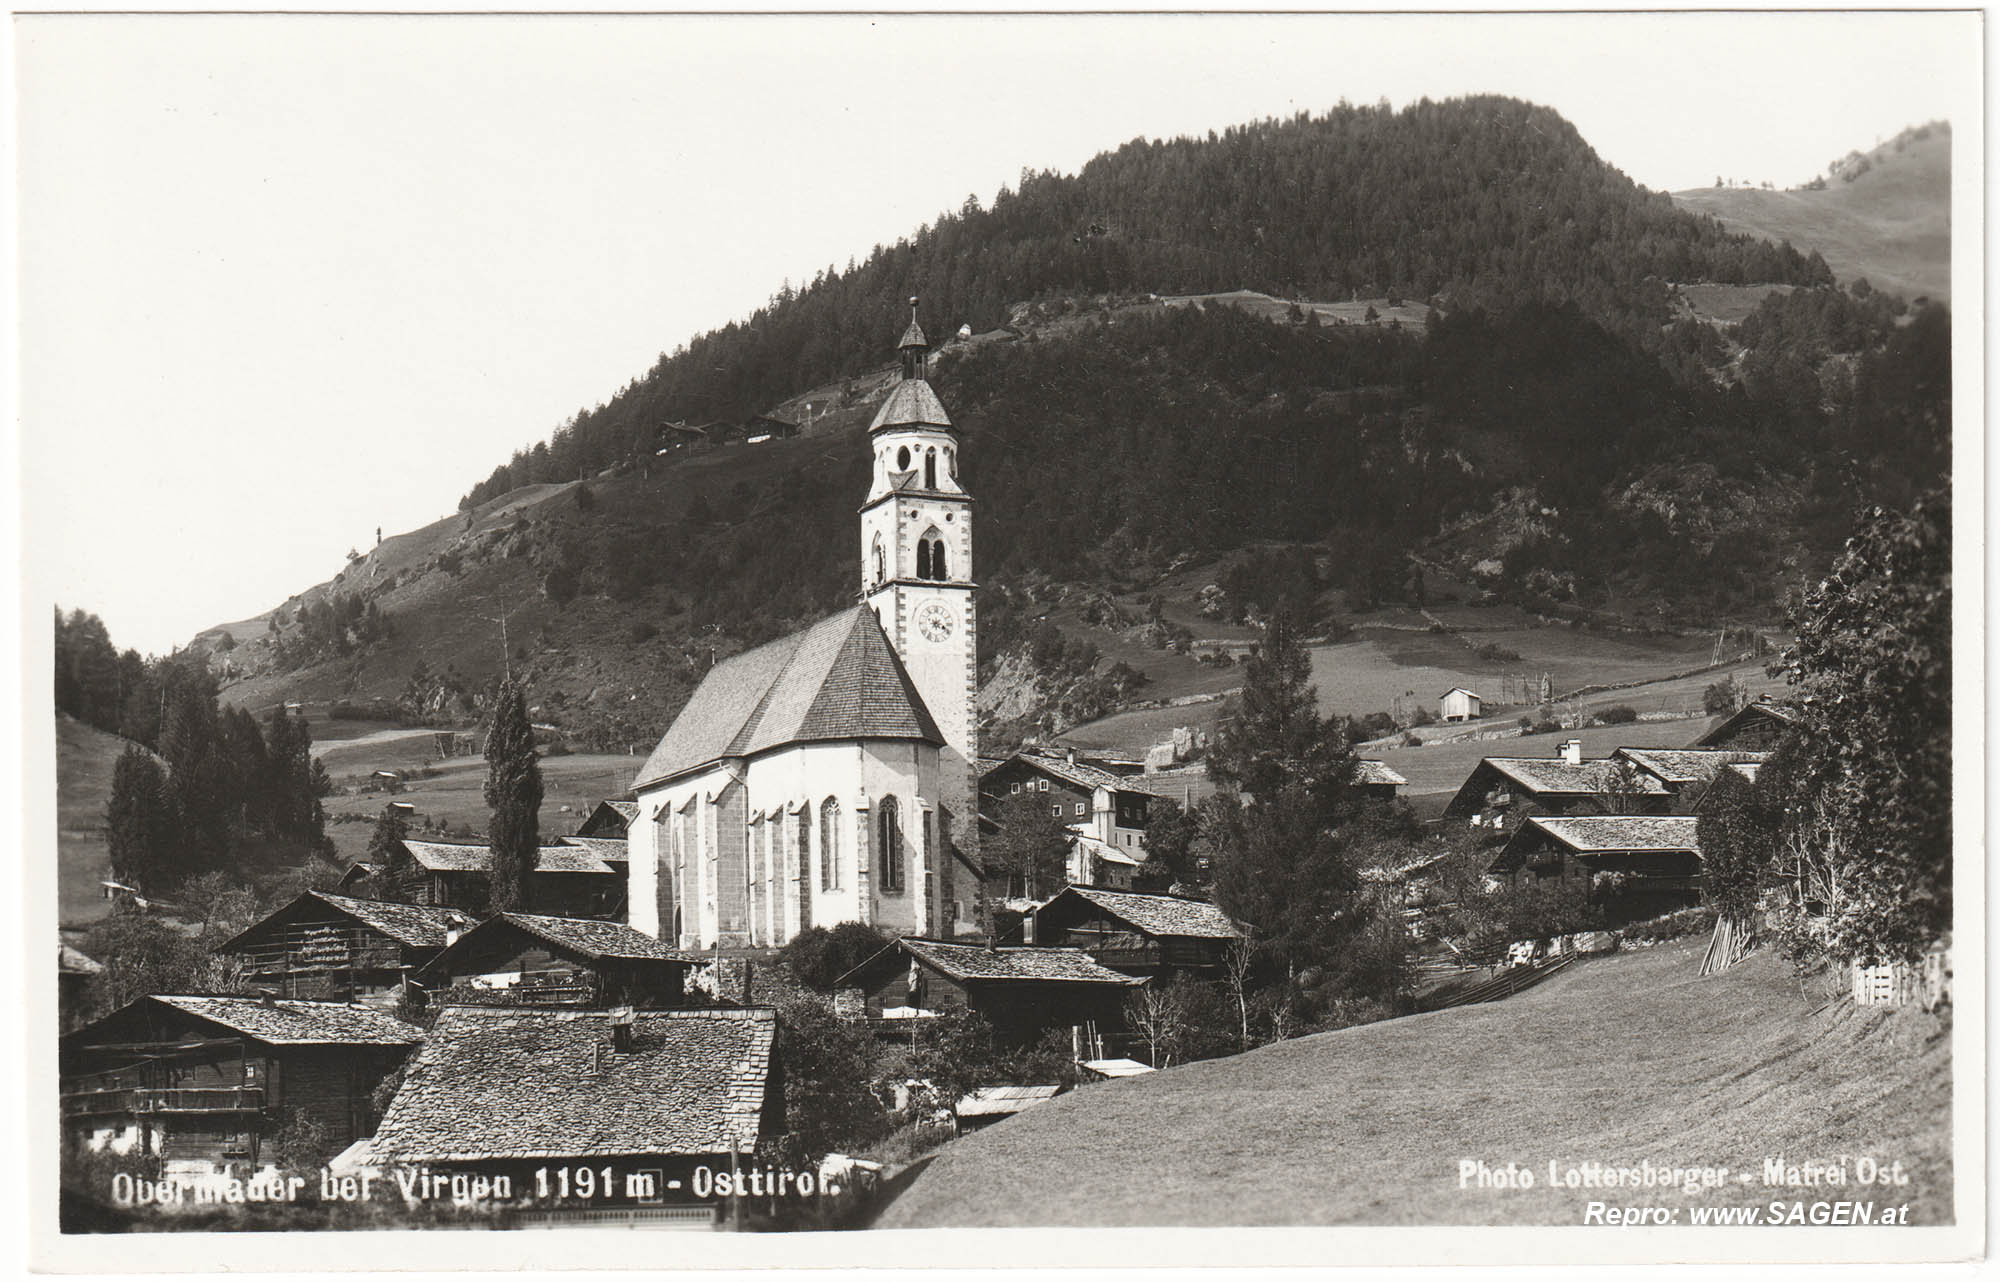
{"x": 830, "y": 776}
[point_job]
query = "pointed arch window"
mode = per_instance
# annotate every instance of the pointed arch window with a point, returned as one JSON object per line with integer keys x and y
{"x": 881, "y": 561}
{"x": 889, "y": 835}
{"x": 829, "y": 844}
{"x": 930, "y": 469}
{"x": 803, "y": 868}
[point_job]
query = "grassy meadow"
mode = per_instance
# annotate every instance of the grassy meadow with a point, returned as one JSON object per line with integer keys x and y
{"x": 1629, "y": 1058}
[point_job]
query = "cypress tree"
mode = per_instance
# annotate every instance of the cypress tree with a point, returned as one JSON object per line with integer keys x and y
{"x": 137, "y": 822}
{"x": 514, "y": 794}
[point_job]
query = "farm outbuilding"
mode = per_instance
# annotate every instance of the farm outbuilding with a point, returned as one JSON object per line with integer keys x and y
{"x": 567, "y": 880}
{"x": 526, "y": 959}
{"x": 1139, "y": 934}
{"x": 202, "y": 1081}
{"x": 1460, "y": 704}
{"x": 329, "y": 947}
{"x": 1022, "y": 992}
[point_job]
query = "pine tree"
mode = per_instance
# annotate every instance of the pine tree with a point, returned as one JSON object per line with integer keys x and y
{"x": 514, "y": 794}
{"x": 1273, "y": 737}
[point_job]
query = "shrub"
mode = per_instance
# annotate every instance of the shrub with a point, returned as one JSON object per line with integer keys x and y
{"x": 1618, "y": 714}
{"x": 1497, "y": 653}
{"x": 818, "y": 956}
{"x": 643, "y": 632}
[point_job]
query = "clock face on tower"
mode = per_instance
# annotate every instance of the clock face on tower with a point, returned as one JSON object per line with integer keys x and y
{"x": 934, "y": 621}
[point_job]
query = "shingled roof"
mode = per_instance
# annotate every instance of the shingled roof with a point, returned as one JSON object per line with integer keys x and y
{"x": 416, "y": 925}
{"x": 839, "y": 679}
{"x": 283, "y": 1023}
{"x": 595, "y": 939}
{"x": 440, "y": 856}
{"x": 975, "y": 963}
{"x": 1587, "y": 834}
{"x": 508, "y": 1082}
{"x": 911, "y": 403}
{"x": 1681, "y": 766}
{"x": 1376, "y": 772}
{"x": 612, "y": 850}
{"x": 1158, "y": 915}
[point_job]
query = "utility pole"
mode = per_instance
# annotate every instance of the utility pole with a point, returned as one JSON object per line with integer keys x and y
{"x": 506, "y": 651}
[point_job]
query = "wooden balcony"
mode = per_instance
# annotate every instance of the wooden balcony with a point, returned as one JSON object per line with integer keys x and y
{"x": 213, "y": 1099}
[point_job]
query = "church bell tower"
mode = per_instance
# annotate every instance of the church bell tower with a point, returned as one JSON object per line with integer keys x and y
{"x": 916, "y": 573}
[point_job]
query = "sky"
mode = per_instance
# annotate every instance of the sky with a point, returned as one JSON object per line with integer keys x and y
{"x": 284, "y": 280}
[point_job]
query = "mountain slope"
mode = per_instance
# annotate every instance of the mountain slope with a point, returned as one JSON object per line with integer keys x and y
{"x": 1889, "y": 223}
{"x": 1627, "y": 1059}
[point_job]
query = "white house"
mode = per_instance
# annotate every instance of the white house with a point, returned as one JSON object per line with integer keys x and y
{"x": 1459, "y": 704}
{"x": 828, "y": 776}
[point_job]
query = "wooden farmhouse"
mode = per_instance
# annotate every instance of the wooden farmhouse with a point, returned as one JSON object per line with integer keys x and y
{"x": 1138, "y": 934}
{"x": 202, "y": 1081}
{"x": 1460, "y": 704}
{"x": 328, "y": 947}
{"x": 1657, "y": 858}
{"x": 558, "y": 961}
{"x": 609, "y": 819}
{"x": 1501, "y": 791}
{"x": 1755, "y": 727}
{"x": 1112, "y": 808}
{"x": 1022, "y": 992}
{"x": 1686, "y": 772}
{"x": 568, "y": 880}
{"x": 507, "y": 1091}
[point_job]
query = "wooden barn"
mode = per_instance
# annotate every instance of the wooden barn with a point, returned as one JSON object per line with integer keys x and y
{"x": 327, "y": 947}
{"x": 609, "y": 819}
{"x": 1460, "y": 704}
{"x": 1137, "y": 934}
{"x": 202, "y": 1081}
{"x": 657, "y": 1097}
{"x": 1657, "y": 859}
{"x": 1022, "y": 992}
{"x": 1755, "y": 727}
{"x": 558, "y": 961}
{"x": 1501, "y": 791}
{"x": 568, "y": 881}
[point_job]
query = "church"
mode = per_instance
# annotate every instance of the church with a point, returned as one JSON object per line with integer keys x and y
{"x": 828, "y": 776}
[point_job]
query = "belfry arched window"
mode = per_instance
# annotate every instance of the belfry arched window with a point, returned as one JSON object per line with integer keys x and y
{"x": 930, "y": 469}
{"x": 829, "y": 844}
{"x": 930, "y": 556}
{"x": 881, "y": 562}
{"x": 889, "y": 831}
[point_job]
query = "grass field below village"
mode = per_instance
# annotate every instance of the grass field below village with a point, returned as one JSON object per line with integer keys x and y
{"x": 1620, "y": 1060}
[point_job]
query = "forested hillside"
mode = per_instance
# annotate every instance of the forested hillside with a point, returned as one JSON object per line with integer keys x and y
{"x": 1561, "y": 430}
{"x": 1477, "y": 202}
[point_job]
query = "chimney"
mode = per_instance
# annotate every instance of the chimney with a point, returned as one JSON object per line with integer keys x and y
{"x": 1572, "y": 751}
{"x": 1028, "y": 928}
{"x": 1070, "y": 756}
{"x": 621, "y": 1030}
